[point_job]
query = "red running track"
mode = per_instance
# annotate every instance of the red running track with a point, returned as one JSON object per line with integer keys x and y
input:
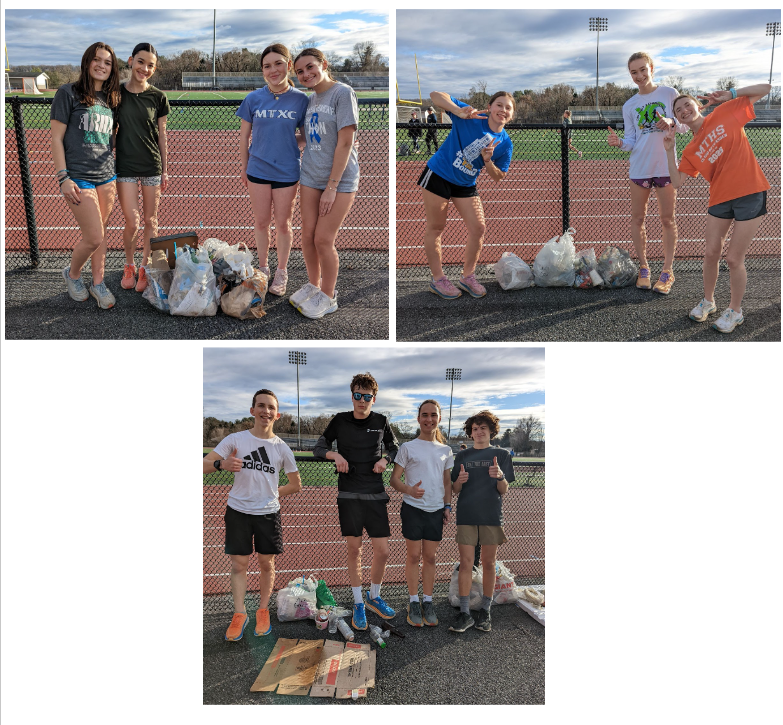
{"x": 312, "y": 541}
{"x": 205, "y": 194}
{"x": 525, "y": 210}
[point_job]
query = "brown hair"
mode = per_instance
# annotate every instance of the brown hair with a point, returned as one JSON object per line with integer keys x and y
{"x": 280, "y": 49}
{"x": 639, "y": 56}
{"x": 84, "y": 89}
{"x": 502, "y": 93}
{"x": 265, "y": 391}
{"x": 319, "y": 56}
{"x": 364, "y": 380}
{"x": 492, "y": 422}
{"x": 686, "y": 95}
{"x": 438, "y": 435}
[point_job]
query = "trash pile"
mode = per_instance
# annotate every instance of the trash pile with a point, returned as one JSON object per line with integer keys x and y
{"x": 211, "y": 275}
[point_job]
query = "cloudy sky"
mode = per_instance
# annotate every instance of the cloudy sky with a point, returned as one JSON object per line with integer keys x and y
{"x": 51, "y": 37}
{"x": 517, "y": 49}
{"x": 509, "y": 380}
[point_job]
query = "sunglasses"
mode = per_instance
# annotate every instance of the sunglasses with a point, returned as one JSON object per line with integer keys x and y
{"x": 367, "y": 396}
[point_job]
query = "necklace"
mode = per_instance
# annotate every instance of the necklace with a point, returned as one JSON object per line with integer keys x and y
{"x": 277, "y": 94}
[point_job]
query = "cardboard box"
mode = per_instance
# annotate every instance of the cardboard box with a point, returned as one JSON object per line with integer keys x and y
{"x": 357, "y": 670}
{"x": 169, "y": 244}
{"x": 325, "y": 682}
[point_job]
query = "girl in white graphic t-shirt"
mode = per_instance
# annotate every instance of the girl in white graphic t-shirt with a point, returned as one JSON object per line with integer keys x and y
{"x": 646, "y": 117}
{"x": 426, "y": 462}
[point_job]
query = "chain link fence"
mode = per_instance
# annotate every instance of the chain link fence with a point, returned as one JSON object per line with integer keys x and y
{"x": 549, "y": 188}
{"x": 205, "y": 193}
{"x": 313, "y": 543}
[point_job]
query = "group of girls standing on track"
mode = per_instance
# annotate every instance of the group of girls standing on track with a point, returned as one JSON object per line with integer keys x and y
{"x": 278, "y": 121}
{"x": 477, "y": 140}
{"x": 84, "y": 117}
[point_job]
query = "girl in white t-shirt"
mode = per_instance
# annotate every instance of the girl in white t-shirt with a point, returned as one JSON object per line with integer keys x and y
{"x": 646, "y": 117}
{"x": 426, "y": 506}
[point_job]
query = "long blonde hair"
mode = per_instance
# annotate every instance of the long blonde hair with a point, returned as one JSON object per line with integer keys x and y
{"x": 438, "y": 435}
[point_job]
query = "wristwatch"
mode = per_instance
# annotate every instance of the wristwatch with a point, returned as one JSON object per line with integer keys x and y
{"x": 388, "y": 458}
{"x": 217, "y": 463}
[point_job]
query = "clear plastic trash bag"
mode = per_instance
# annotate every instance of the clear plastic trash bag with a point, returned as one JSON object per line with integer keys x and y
{"x": 193, "y": 290}
{"x": 554, "y": 264}
{"x": 616, "y": 268}
{"x": 512, "y": 272}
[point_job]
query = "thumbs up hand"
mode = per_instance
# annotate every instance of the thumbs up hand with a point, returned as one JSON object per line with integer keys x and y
{"x": 494, "y": 469}
{"x": 232, "y": 463}
{"x": 614, "y": 139}
{"x": 663, "y": 123}
{"x": 463, "y": 475}
{"x": 416, "y": 490}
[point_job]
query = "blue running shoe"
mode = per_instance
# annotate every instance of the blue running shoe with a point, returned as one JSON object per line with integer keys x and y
{"x": 378, "y": 606}
{"x": 359, "y": 619}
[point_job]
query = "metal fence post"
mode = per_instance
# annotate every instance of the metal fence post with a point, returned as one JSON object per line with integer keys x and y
{"x": 564, "y": 182}
{"x": 27, "y": 184}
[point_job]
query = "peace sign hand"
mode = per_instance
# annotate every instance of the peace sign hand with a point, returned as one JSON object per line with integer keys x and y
{"x": 668, "y": 138}
{"x": 614, "y": 139}
{"x": 469, "y": 113}
{"x": 487, "y": 151}
{"x": 716, "y": 97}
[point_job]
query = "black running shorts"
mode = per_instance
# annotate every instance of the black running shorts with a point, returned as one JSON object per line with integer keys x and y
{"x": 439, "y": 186}
{"x": 741, "y": 209}
{"x": 418, "y": 524}
{"x": 357, "y": 514}
{"x": 243, "y": 529}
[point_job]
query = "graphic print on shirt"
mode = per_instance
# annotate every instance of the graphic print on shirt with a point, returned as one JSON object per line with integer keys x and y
{"x": 275, "y": 113}
{"x": 317, "y": 128}
{"x": 646, "y": 118}
{"x": 96, "y": 122}
{"x": 708, "y": 149}
{"x": 258, "y": 460}
{"x": 465, "y": 158}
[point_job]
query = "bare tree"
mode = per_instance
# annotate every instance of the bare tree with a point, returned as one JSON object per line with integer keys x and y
{"x": 676, "y": 82}
{"x": 527, "y": 430}
{"x": 726, "y": 83}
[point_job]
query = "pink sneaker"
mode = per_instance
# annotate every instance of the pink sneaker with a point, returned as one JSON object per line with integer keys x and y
{"x": 129, "y": 277}
{"x": 141, "y": 285}
{"x": 471, "y": 286}
{"x": 280, "y": 283}
{"x": 444, "y": 288}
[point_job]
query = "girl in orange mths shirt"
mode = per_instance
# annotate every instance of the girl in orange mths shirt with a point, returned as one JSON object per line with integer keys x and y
{"x": 721, "y": 153}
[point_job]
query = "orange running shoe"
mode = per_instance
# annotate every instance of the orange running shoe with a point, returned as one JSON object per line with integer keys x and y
{"x": 643, "y": 280}
{"x": 237, "y": 627}
{"x": 129, "y": 277}
{"x": 665, "y": 282}
{"x": 263, "y": 626}
{"x": 141, "y": 285}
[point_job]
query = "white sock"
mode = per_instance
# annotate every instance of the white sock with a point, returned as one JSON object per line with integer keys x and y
{"x": 414, "y": 597}
{"x": 357, "y": 595}
{"x": 427, "y": 597}
{"x": 375, "y": 591}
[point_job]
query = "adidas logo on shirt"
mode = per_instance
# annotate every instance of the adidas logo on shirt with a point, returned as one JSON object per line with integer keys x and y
{"x": 258, "y": 460}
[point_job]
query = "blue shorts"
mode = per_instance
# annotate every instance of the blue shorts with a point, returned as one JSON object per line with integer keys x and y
{"x": 90, "y": 185}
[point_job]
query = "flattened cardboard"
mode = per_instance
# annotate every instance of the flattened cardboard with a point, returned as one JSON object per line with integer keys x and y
{"x": 357, "y": 670}
{"x": 325, "y": 681}
{"x": 269, "y": 677}
{"x": 300, "y": 666}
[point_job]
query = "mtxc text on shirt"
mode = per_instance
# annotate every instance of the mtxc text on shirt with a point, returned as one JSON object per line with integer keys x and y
{"x": 275, "y": 113}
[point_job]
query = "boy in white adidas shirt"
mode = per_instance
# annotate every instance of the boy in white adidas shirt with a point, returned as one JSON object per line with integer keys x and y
{"x": 255, "y": 457}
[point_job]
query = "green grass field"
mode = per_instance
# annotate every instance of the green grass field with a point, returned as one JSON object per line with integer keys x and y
{"x": 544, "y": 144}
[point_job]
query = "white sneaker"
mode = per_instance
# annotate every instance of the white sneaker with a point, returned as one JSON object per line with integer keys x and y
{"x": 103, "y": 296}
{"x": 76, "y": 289}
{"x": 318, "y": 305}
{"x": 703, "y": 310}
{"x": 728, "y": 321}
{"x": 303, "y": 294}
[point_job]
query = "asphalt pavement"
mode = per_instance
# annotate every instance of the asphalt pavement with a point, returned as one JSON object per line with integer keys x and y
{"x": 431, "y": 666}
{"x": 544, "y": 314}
{"x": 37, "y": 307}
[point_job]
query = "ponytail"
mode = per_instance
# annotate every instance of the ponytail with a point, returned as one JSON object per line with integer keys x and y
{"x": 438, "y": 435}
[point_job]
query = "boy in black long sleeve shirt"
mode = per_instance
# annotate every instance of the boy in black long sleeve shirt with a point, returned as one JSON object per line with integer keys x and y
{"x": 361, "y": 498}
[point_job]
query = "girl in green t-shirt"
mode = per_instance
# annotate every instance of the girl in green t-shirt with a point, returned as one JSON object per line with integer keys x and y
{"x": 141, "y": 157}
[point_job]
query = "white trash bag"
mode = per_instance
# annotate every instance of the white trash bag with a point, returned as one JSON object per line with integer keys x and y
{"x": 505, "y": 586}
{"x": 193, "y": 291}
{"x": 554, "y": 265}
{"x": 476, "y": 588}
{"x": 297, "y": 600}
{"x": 513, "y": 272}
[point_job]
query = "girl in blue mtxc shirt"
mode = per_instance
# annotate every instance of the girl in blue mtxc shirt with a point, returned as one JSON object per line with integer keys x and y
{"x": 476, "y": 140}
{"x": 270, "y": 165}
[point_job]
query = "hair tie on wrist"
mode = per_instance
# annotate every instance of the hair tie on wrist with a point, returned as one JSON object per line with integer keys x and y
{"x": 733, "y": 92}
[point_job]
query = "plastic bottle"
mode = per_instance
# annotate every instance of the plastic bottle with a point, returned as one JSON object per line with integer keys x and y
{"x": 332, "y": 622}
{"x": 345, "y": 630}
{"x": 376, "y": 636}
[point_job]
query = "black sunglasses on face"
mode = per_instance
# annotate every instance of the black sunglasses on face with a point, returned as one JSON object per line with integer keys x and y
{"x": 367, "y": 396}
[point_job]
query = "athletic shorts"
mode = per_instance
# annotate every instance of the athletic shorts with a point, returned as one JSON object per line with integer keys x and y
{"x": 741, "y": 209}
{"x": 653, "y": 181}
{"x": 486, "y": 535}
{"x": 242, "y": 530}
{"x": 357, "y": 514}
{"x": 418, "y": 524}
{"x": 439, "y": 186}
{"x": 90, "y": 185}
{"x": 145, "y": 180}
{"x": 274, "y": 184}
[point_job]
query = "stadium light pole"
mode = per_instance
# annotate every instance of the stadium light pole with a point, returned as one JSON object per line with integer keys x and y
{"x": 214, "y": 23}
{"x": 773, "y": 29}
{"x": 598, "y": 24}
{"x": 298, "y": 358}
{"x": 452, "y": 374}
